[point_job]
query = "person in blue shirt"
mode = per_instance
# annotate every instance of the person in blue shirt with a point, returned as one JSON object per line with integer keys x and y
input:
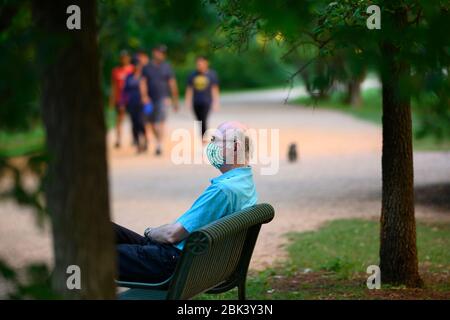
{"x": 153, "y": 257}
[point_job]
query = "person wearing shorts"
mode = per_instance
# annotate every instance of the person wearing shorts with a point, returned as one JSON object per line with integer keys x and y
{"x": 158, "y": 113}
{"x": 202, "y": 92}
{"x": 161, "y": 84}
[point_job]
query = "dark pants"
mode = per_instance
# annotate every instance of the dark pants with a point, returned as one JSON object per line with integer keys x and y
{"x": 143, "y": 260}
{"x": 201, "y": 111}
{"x": 137, "y": 123}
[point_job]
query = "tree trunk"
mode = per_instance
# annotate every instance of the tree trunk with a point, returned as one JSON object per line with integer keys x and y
{"x": 353, "y": 97}
{"x": 398, "y": 253}
{"x": 77, "y": 186}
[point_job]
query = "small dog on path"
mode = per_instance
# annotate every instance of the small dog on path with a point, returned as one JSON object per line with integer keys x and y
{"x": 292, "y": 153}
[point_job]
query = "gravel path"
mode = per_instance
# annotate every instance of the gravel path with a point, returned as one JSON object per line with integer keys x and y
{"x": 338, "y": 175}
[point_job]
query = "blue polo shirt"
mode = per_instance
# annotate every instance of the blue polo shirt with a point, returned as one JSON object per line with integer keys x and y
{"x": 230, "y": 192}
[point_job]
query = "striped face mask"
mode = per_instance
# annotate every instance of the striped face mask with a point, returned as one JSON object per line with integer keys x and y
{"x": 215, "y": 155}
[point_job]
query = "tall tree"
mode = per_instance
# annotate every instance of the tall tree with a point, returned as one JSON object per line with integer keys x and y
{"x": 77, "y": 189}
{"x": 398, "y": 252}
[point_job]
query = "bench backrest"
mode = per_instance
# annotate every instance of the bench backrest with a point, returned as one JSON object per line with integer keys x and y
{"x": 219, "y": 252}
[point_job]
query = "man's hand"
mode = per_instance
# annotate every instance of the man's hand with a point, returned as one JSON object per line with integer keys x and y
{"x": 174, "y": 93}
{"x": 188, "y": 97}
{"x": 145, "y": 100}
{"x": 216, "y": 106}
{"x": 168, "y": 233}
{"x": 216, "y": 97}
{"x": 147, "y": 232}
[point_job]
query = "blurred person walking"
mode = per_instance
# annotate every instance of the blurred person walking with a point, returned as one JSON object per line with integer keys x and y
{"x": 116, "y": 101}
{"x": 202, "y": 92}
{"x": 143, "y": 57}
{"x": 135, "y": 93}
{"x": 161, "y": 84}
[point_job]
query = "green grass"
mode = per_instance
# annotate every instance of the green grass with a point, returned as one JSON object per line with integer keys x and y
{"x": 331, "y": 263}
{"x": 21, "y": 143}
{"x": 347, "y": 247}
{"x": 282, "y": 86}
{"x": 344, "y": 247}
{"x": 371, "y": 110}
{"x": 431, "y": 144}
{"x": 15, "y": 144}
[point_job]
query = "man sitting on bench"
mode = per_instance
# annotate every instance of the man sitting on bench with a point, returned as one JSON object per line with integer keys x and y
{"x": 153, "y": 257}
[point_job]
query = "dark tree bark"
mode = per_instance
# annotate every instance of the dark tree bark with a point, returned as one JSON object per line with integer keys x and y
{"x": 398, "y": 253}
{"x": 77, "y": 189}
{"x": 353, "y": 96}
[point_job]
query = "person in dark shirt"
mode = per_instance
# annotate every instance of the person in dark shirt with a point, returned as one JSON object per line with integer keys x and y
{"x": 202, "y": 91}
{"x": 161, "y": 84}
{"x": 135, "y": 93}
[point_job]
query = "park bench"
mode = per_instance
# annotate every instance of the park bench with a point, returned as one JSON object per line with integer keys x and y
{"x": 214, "y": 259}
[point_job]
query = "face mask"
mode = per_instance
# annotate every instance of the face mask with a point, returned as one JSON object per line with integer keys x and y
{"x": 215, "y": 156}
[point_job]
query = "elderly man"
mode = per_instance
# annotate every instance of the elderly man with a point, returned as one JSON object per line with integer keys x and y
{"x": 153, "y": 257}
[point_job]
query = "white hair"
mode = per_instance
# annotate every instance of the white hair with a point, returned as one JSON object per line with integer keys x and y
{"x": 236, "y": 133}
